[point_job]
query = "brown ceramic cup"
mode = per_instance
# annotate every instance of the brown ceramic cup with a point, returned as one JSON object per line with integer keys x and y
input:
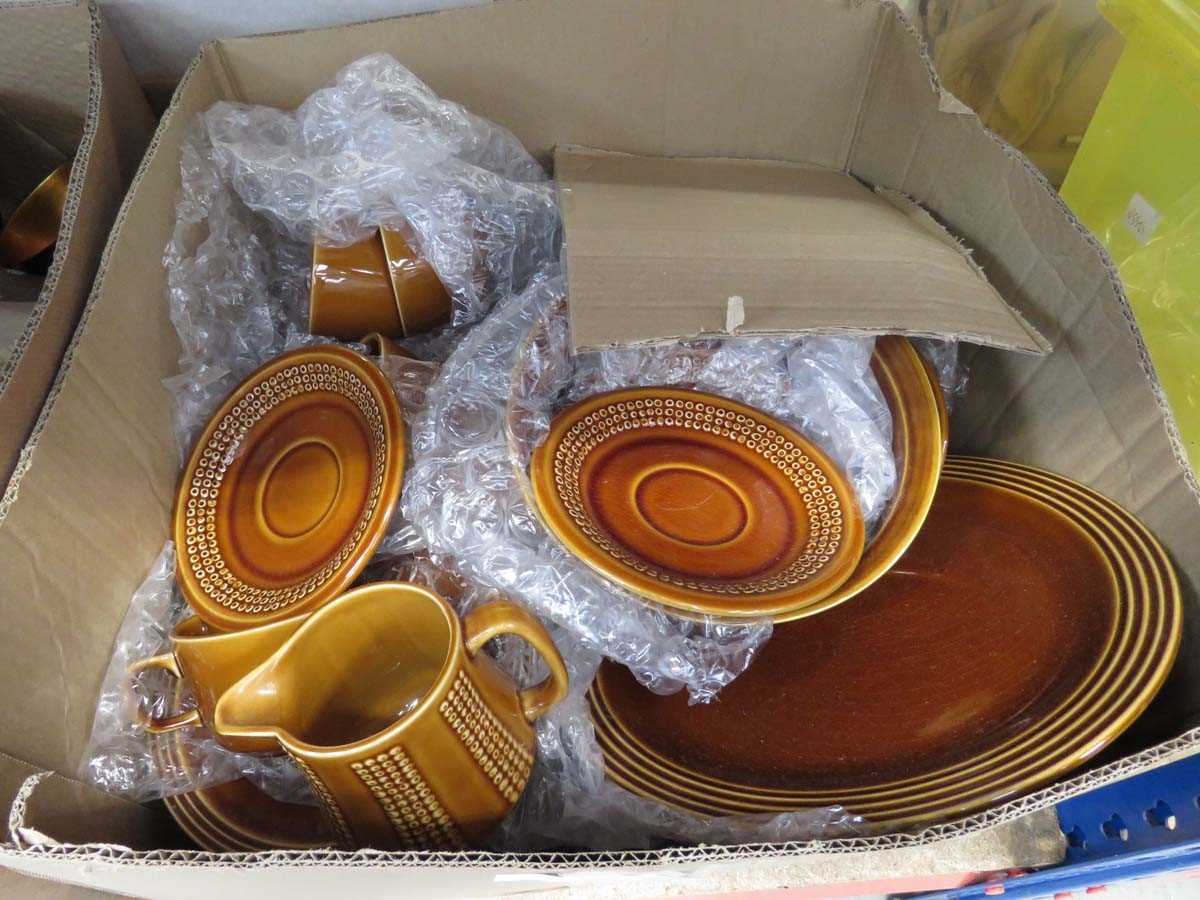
{"x": 421, "y": 298}
{"x": 378, "y": 285}
{"x": 351, "y": 293}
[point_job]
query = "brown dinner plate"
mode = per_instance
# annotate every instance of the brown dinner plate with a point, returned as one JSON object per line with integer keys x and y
{"x": 697, "y": 502}
{"x": 289, "y": 489}
{"x": 1030, "y": 622}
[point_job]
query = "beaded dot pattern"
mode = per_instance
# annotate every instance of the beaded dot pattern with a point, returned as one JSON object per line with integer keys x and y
{"x": 417, "y": 816}
{"x": 503, "y": 758}
{"x": 824, "y": 508}
{"x": 334, "y": 816}
{"x": 202, "y": 551}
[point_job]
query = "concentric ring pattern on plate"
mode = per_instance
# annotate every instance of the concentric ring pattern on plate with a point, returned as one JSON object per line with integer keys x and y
{"x": 697, "y": 502}
{"x": 1104, "y": 698}
{"x": 289, "y": 489}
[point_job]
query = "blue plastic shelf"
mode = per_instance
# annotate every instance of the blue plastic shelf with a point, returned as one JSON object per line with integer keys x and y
{"x": 1144, "y": 826}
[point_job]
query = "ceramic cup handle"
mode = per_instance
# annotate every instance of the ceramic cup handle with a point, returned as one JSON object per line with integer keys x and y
{"x": 383, "y": 347}
{"x": 503, "y": 617}
{"x": 153, "y": 724}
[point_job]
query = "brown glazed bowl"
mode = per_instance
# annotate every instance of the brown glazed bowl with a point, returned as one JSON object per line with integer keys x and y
{"x": 351, "y": 293}
{"x": 33, "y": 226}
{"x": 920, "y": 432}
{"x": 421, "y": 299}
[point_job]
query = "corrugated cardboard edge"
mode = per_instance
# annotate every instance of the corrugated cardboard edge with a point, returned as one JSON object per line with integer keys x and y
{"x": 576, "y": 158}
{"x": 922, "y": 217}
{"x": 74, "y": 187}
{"x": 25, "y": 459}
{"x": 950, "y": 104}
{"x": 710, "y": 869}
{"x": 73, "y": 861}
{"x": 103, "y": 54}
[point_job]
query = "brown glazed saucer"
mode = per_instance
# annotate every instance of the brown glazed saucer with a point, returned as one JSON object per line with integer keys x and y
{"x": 289, "y": 489}
{"x": 1030, "y": 622}
{"x": 697, "y": 502}
{"x": 237, "y": 816}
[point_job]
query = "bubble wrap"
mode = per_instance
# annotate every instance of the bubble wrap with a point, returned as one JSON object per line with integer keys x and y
{"x": 122, "y": 758}
{"x": 492, "y": 403}
{"x": 821, "y": 386}
{"x": 257, "y": 187}
{"x": 378, "y": 147}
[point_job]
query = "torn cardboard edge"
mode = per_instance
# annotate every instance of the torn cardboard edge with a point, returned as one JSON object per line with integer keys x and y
{"x": 1033, "y": 817}
{"x": 115, "y": 124}
{"x": 663, "y": 248}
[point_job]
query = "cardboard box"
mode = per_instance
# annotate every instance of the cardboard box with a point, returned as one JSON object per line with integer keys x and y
{"x": 843, "y": 85}
{"x": 65, "y": 89}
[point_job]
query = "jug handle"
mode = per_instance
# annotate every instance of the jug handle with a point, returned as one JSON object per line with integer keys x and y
{"x": 504, "y": 617}
{"x": 152, "y": 724}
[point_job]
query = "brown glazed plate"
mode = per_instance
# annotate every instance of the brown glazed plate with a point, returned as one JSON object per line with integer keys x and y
{"x": 1030, "y": 622}
{"x": 289, "y": 489}
{"x": 919, "y": 435}
{"x": 697, "y": 502}
{"x": 920, "y": 431}
{"x": 237, "y": 816}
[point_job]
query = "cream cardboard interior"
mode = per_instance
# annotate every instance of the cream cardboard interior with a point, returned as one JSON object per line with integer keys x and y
{"x": 65, "y": 88}
{"x": 839, "y": 84}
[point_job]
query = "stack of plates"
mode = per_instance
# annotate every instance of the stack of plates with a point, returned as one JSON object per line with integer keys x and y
{"x": 1029, "y": 623}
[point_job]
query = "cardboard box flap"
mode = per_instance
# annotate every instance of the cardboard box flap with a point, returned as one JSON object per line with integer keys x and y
{"x": 663, "y": 248}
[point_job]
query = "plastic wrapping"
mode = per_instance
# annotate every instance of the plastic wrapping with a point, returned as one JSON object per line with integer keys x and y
{"x": 463, "y": 491}
{"x": 378, "y": 147}
{"x": 374, "y": 148}
{"x": 567, "y": 803}
{"x": 822, "y": 386}
{"x": 947, "y": 364}
{"x": 122, "y": 757}
{"x": 465, "y": 488}
{"x": 257, "y": 185}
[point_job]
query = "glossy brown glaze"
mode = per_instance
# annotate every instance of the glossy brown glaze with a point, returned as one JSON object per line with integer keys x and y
{"x": 410, "y": 736}
{"x": 421, "y": 298}
{"x": 289, "y": 489}
{"x": 33, "y": 226}
{"x": 352, "y": 293}
{"x": 1070, "y": 612}
{"x": 236, "y": 815}
{"x": 697, "y": 502}
{"x": 920, "y": 429}
{"x": 210, "y": 662}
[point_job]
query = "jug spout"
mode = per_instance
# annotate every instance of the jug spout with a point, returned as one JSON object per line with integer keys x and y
{"x": 253, "y": 707}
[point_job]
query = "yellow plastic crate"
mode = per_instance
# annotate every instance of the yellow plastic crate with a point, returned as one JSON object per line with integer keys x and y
{"x": 1135, "y": 182}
